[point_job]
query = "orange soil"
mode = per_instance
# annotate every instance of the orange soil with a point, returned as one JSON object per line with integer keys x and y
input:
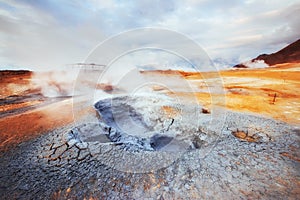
{"x": 14, "y": 83}
{"x": 25, "y": 126}
{"x": 253, "y": 90}
{"x": 8, "y": 107}
{"x": 169, "y": 111}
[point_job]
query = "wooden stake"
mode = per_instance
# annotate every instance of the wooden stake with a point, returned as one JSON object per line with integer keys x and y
{"x": 274, "y": 99}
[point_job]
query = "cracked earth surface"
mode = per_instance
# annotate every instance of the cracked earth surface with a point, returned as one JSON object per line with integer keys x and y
{"x": 65, "y": 164}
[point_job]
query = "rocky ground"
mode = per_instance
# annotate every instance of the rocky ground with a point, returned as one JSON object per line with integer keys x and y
{"x": 232, "y": 156}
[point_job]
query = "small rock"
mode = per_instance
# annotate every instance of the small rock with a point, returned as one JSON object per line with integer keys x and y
{"x": 205, "y": 110}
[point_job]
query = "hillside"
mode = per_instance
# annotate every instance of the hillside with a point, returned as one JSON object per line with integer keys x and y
{"x": 289, "y": 54}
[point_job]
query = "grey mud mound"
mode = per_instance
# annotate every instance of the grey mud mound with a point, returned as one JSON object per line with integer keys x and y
{"x": 218, "y": 162}
{"x": 143, "y": 123}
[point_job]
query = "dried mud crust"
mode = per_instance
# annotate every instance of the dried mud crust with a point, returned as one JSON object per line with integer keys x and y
{"x": 55, "y": 166}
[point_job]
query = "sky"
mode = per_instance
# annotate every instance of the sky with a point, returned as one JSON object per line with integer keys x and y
{"x": 47, "y": 34}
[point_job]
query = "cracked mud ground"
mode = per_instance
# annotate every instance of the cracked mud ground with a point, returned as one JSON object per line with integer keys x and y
{"x": 59, "y": 165}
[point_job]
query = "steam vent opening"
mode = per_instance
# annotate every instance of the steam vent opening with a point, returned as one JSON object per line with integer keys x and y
{"x": 162, "y": 125}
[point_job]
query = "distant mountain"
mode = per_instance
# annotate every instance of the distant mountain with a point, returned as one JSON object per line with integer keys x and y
{"x": 14, "y": 74}
{"x": 289, "y": 54}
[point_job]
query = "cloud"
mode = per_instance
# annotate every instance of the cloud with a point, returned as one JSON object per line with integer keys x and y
{"x": 37, "y": 40}
{"x": 44, "y": 34}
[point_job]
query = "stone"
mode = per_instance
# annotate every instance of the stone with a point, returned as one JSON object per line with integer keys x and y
{"x": 205, "y": 110}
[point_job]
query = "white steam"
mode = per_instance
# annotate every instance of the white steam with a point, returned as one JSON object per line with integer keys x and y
{"x": 256, "y": 64}
{"x": 55, "y": 83}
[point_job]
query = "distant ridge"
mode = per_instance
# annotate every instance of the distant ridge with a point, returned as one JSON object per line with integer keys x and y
{"x": 289, "y": 54}
{"x": 5, "y": 73}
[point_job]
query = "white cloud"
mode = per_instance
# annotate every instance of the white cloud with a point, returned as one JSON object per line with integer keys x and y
{"x": 42, "y": 34}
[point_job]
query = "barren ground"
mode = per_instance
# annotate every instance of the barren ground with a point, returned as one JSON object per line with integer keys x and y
{"x": 38, "y": 160}
{"x": 250, "y": 90}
